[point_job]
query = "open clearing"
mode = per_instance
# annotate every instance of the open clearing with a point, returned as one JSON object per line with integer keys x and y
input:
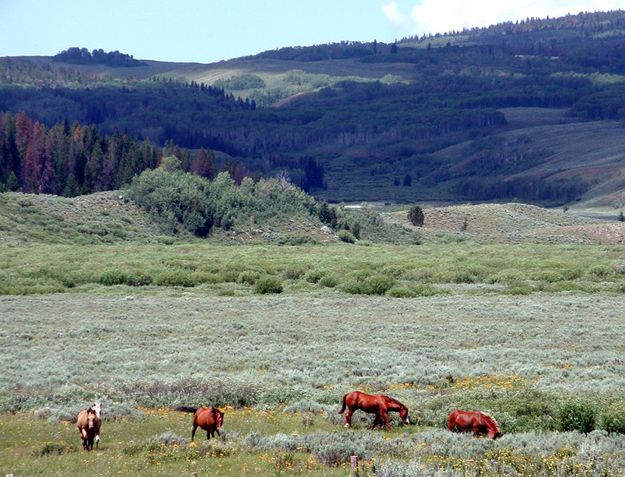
{"x": 291, "y": 358}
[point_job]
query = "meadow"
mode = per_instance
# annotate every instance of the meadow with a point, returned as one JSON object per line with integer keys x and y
{"x": 530, "y": 333}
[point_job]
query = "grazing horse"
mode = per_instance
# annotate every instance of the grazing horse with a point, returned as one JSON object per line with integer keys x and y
{"x": 88, "y": 424}
{"x": 377, "y": 404}
{"x": 208, "y": 418}
{"x": 480, "y": 423}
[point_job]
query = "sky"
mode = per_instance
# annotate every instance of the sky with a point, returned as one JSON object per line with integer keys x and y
{"x": 207, "y": 31}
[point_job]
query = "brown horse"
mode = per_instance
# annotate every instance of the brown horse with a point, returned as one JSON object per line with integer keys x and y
{"x": 88, "y": 424}
{"x": 208, "y": 418}
{"x": 377, "y": 404}
{"x": 480, "y": 423}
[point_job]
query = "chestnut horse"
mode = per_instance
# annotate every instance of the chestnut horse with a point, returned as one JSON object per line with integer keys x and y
{"x": 480, "y": 423}
{"x": 377, "y": 404}
{"x": 88, "y": 424}
{"x": 208, "y": 418}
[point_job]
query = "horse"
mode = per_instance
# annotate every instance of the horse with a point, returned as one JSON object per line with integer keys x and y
{"x": 88, "y": 424}
{"x": 208, "y": 418}
{"x": 97, "y": 407}
{"x": 480, "y": 423}
{"x": 377, "y": 404}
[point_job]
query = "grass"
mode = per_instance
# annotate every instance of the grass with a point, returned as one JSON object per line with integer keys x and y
{"x": 521, "y": 331}
{"x": 205, "y": 268}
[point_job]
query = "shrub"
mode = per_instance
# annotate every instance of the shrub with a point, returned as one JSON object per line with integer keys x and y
{"x": 268, "y": 284}
{"x": 346, "y": 236}
{"x": 248, "y": 277}
{"x": 169, "y": 439}
{"x": 613, "y": 419}
{"x": 314, "y": 276}
{"x": 329, "y": 281}
{"x": 400, "y": 292}
{"x": 54, "y": 448}
{"x": 368, "y": 284}
{"x": 576, "y": 415}
{"x": 175, "y": 278}
{"x": 294, "y": 273}
{"x": 112, "y": 277}
{"x": 337, "y": 453}
{"x": 416, "y": 215}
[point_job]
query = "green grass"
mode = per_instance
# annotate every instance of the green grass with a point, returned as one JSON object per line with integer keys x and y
{"x": 147, "y": 267}
{"x": 452, "y": 332}
{"x": 29, "y": 446}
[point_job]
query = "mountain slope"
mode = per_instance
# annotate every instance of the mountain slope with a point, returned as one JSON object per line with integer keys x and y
{"x": 472, "y": 115}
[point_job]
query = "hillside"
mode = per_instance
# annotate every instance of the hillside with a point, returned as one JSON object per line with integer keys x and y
{"x": 513, "y": 223}
{"x": 104, "y": 217}
{"x": 526, "y": 110}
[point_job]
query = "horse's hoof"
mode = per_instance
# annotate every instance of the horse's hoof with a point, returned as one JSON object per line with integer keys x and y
{"x": 346, "y": 426}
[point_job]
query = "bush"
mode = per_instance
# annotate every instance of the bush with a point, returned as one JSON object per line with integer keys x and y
{"x": 337, "y": 453}
{"x": 401, "y": 292}
{"x": 54, "y": 448}
{"x": 294, "y": 273}
{"x": 329, "y": 281}
{"x": 346, "y": 236}
{"x": 613, "y": 419}
{"x": 112, "y": 277}
{"x": 175, "y": 278}
{"x": 416, "y": 215}
{"x": 248, "y": 277}
{"x": 576, "y": 415}
{"x": 368, "y": 284}
{"x": 268, "y": 284}
{"x": 314, "y": 276}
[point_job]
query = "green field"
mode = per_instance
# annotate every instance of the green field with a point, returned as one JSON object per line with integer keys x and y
{"x": 523, "y": 331}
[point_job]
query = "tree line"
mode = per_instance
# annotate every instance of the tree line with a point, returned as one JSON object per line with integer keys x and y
{"x": 82, "y": 56}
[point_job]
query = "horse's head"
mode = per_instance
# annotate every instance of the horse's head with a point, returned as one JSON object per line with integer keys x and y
{"x": 495, "y": 435}
{"x": 97, "y": 407}
{"x": 91, "y": 418}
{"x": 403, "y": 414}
{"x": 219, "y": 417}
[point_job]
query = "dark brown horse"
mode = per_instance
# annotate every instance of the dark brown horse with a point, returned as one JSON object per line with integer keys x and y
{"x": 477, "y": 422}
{"x": 208, "y": 418}
{"x": 88, "y": 424}
{"x": 377, "y": 404}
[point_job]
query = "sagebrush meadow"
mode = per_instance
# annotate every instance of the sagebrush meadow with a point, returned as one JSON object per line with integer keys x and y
{"x": 407, "y": 254}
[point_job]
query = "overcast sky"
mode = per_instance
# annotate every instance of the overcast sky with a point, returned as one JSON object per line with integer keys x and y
{"x": 213, "y": 30}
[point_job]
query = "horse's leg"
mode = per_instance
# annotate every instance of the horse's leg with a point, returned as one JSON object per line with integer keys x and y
{"x": 208, "y": 434}
{"x": 193, "y": 432}
{"x": 217, "y": 431}
{"x": 348, "y": 418}
{"x": 384, "y": 416}
{"x": 376, "y": 422}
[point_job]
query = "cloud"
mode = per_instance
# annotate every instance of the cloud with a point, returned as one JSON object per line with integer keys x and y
{"x": 439, "y": 16}
{"x": 394, "y": 15}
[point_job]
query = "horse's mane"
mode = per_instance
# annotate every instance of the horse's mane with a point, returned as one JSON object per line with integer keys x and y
{"x": 395, "y": 401}
{"x": 491, "y": 420}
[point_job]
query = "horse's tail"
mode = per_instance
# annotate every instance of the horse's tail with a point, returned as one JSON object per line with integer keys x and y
{"x": 186, "y": 408}
{"x": 344, "y": 405}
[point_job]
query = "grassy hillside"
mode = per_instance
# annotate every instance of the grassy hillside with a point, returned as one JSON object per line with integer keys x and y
{"x": 516, "y": 223}
{"x": 105, "y": 217}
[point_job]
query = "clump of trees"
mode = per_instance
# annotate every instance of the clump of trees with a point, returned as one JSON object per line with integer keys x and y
{"x": 82, "y": 56}
{"x": 67, "y": 160}
{"x": 180, "y": 201}
{"x": 78, "y": 159}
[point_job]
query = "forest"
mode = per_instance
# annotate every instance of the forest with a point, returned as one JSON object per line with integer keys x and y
{"x": 452, "y": 89}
